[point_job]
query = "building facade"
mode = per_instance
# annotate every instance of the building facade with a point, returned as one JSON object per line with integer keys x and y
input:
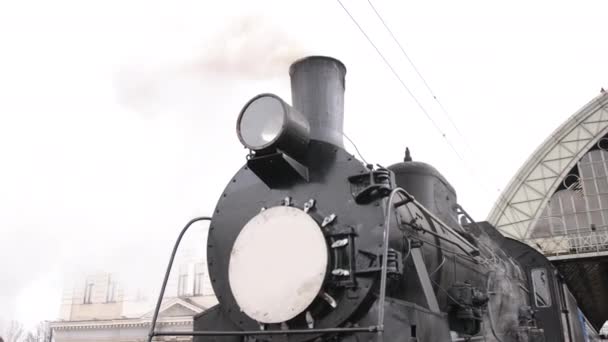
{"x": 101, "y": 307}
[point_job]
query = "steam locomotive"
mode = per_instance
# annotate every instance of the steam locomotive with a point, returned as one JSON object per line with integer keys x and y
{"x": 307, "y": 243}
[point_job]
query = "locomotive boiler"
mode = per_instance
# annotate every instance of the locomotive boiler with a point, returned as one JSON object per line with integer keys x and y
{"x": 307, "y": 243}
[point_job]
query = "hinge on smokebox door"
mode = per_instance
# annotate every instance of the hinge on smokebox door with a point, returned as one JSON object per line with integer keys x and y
{"x": 373, "y": 185}
{"x": 342, "y": 246}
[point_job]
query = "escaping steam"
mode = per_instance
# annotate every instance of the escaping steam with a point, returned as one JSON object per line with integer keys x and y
{"x": 501, "y": 316}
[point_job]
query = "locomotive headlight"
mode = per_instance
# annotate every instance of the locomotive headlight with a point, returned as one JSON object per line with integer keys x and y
{"x": 267, "y": 124}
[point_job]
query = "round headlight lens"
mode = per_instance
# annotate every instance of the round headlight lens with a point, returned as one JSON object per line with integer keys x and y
{"x": 277, "y": 264}
{"x": 261, "y": 121}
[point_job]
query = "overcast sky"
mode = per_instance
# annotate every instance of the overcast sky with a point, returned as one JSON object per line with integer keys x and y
{"x": 117, "y": 117}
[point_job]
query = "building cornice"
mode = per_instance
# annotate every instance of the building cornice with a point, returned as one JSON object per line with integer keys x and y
{"x": 119, "y": 323}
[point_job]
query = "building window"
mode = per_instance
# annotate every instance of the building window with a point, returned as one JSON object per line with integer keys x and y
{"x": 182, "y": 285}
{"x": 88, "y": 292}
{"x": 199, "y": 278}
{"x": 111, "y": 291}
{"x": 581, "y": 207}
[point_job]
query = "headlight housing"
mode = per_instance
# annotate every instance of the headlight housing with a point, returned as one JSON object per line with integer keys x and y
{"x": 267, "y": 124}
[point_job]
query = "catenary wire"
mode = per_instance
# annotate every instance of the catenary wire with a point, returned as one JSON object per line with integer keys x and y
{"x": 428, "y": 87}
{"x": 388, "y": 64}
{"x": 419, "y": 104}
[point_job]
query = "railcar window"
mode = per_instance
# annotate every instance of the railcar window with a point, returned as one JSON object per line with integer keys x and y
{"x": 540, "y": 285}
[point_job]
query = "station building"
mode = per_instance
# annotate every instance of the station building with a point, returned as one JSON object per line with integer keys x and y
{"x": 558, "y": 203}
{"x": 102, "y": 307}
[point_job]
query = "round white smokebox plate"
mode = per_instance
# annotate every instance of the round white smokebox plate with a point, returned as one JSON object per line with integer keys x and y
{"x": 278, "y": 264}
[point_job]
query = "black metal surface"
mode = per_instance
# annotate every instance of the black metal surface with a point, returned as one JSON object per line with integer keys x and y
{"x": 466, "y": 307}
{"x": 429, "y": 187}
{"x": 278, "y": 170}
{"x": 371, "y": 186}
{"x": 215, "y": 318}
{"x": 549, "y": 318}
{"x": 424, "y": 279}
{"x": 404, "y": 322}
{"x": 246, "y": 194}
{"x": 317, "y": 91}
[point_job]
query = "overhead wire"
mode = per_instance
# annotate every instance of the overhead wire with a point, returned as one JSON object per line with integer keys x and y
{"x": 426, "y": 84}
{"x": 407, "y": 89}
{"x": 418, "y": 103}
{"x": 428, "y": 87}
{"x": 432, "y": 93}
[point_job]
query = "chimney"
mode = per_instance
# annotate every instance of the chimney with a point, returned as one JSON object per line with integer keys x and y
{"x": 317, "y": 91}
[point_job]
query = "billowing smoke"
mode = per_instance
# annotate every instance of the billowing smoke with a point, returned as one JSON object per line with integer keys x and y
{"x": 198, "y": 87}
{"x": 252, "y": 48}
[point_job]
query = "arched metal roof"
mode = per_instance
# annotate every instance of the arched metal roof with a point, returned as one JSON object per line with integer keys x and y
{"x": 524, "y": 199}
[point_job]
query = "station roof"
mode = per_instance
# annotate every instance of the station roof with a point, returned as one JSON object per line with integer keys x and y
{"x": 521, "y": 203}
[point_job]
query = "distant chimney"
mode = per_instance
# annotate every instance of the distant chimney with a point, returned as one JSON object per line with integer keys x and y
{"x": 317, "y": 91}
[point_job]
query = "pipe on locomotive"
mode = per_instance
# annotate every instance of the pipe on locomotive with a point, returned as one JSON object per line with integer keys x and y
{"x": 317, "y": 91}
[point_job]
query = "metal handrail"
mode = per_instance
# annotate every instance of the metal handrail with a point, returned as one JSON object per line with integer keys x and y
{"x": 580, "y": 242}
{"x": 378, "y": 328}
{"x": 153, "y": 331}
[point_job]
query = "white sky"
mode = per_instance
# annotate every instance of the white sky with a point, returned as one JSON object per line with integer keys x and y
{"x": 117, "y": 117}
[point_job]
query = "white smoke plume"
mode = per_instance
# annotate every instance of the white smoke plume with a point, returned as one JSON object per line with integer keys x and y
{"x": 252, "y": 48}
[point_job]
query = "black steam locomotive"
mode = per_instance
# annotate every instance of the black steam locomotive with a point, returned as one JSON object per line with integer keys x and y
{"x": 309, "y": 244}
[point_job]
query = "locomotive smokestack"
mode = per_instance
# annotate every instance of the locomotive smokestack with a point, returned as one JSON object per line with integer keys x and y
{"x": 317, "y": 91}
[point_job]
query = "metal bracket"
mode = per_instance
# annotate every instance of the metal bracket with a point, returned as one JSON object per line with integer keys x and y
{"x": 278, "y": 169}
{"x": 310, "y": 204}
{"x": 342, "y": 242}
{"x": 339, "y": 231}
{"x": 423, "y": 277}
{"x": 368, "y": 187}
{"x": 327, "y": 220}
